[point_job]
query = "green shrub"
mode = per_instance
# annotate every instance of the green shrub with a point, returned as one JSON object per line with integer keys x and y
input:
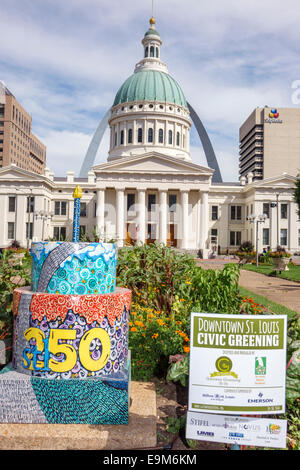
{"x": 14, "y": 272}
{"x": 166, "y": 287}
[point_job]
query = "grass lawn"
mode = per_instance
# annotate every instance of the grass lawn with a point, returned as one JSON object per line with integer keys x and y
{"x": 272, "y": 306}
{"x": 293, "y": 274}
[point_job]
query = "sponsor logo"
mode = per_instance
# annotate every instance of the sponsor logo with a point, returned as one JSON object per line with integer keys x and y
{"x": 205, "y": 433}
{"x": 236, "y": 434}
{"x": 273, "y": 429}
{"x": 260, "y": 399}
{"x": 224, "y": 366}
{"x": 260, "y": 366}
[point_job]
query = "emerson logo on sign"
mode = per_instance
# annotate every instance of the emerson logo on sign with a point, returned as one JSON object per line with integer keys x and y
{"x": 273, "y": 117}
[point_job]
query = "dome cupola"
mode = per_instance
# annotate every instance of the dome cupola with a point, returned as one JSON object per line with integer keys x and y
{"x": 150, "y": 111}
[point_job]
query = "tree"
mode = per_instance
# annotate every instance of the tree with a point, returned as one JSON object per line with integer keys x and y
{"x": 297, "y": 195}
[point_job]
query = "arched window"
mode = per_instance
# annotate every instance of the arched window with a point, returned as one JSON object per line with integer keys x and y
{"x": 152, "y": 51}
{"x": 146, "y": 51}
{"x": 156, "y": 51}
{"x": 178, "y": 139}
{"x": 122, "y": 137}
{"x": 170, "y": 137}
{"x": 161, "y": 136}
{"x": 140, "y": 135}
{"x": 150, "y": 134}
{"x": 130, "y": 136}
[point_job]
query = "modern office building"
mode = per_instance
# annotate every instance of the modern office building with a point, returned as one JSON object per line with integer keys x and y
{"x": 149, "y": 189}
{"x": 270, "y": 142}
{"x": 18, "y": 145}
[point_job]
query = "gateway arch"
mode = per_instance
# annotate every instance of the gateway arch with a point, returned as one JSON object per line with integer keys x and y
{"x": 210, "y": 156}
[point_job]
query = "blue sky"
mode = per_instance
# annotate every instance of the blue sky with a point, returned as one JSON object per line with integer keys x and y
{"x": 65, "y": 61}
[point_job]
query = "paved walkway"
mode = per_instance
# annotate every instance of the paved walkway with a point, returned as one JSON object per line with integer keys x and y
{"x": 278, "y": 290}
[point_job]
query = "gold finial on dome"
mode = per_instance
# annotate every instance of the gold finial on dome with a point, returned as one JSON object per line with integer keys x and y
{"x": 152, "y": 21}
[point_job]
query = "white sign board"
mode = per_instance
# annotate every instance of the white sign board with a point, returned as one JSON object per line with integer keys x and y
{"x": 237, "y": 364}
{"x": 260, "y": 432}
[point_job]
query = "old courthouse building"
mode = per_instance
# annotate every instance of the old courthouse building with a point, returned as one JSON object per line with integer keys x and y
{"x": 149, "y": 188}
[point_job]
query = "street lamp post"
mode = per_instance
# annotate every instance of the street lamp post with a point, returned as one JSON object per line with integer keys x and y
{"x": 256, "y": 219}
{"x": 43, "y": 215}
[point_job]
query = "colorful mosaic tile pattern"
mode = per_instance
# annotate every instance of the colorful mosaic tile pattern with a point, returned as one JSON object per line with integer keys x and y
{"x": 62, "y": 336}
{"x": 73, "y": 268}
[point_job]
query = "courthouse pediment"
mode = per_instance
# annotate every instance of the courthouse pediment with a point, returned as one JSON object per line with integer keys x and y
{"x": 14, "y": 173}
{"x": 283, "y": 181}
{"x": 152, "y": 163}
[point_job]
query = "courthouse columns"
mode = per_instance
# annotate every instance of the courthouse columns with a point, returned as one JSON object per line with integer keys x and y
{"x": 163, "y": 217}
{"x": 141, "y": 220}
{"x": 184, "y": 196}
{"x": 120, "y": 222}
{"x": 204, "y": 224}
{"x": 100, "y": 213}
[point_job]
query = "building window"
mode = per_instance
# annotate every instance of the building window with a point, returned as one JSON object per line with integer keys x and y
{"x": 178, "y": 139}
{"x": 156, "y": 52}
{"x": 130, "y": 136}
{"x": 146, "y": 51}
{"x": 283, "y": 237}
{"x": 266, "y": 209}
{"x": 214, "y": 213}
{"x": 122, "y": 137}
{"x": 82, "y": 230}
{"x": 2, "y": 110}
{"x": 236, "y": 212}
{"x": 170, "y": 137}
{"x": 30, "y": 204}
{"x": 83, "y": 209}
{"x": 266, "y": 236}
{"x": 214, "y": 235}
{"x": 140, "y": 135}
{"x": 11, "y": 204}
{"x": 172, "y": 202}
{"x": 10, "y": 230}
{"x": 161, "y": 136}
{"x": 29, "y": 235}
{"x": 59, "y": 233}
{"x": 152, "y": 51}
{"x": 151, "y": 202}
{"x": 150, "y": 134}
{"x": 235, "y": 238}
{"x": 283, "y": 208}
{"x": 60, "y": 208}
{"x": 130, "y": 201}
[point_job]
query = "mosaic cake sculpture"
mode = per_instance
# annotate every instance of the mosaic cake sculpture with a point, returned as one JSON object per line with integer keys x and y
{"x": 70, "y": 345}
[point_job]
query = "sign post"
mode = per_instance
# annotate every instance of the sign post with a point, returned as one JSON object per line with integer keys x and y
{"x": 237, "y": 368}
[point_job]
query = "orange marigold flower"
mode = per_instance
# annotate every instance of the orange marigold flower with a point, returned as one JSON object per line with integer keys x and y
{"x": 155, "y": 336}
{"x": 186, "y": 349}
{"x": 133, "y": 329}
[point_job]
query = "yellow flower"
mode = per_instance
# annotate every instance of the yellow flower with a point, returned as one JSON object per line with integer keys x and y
{"x": 160, "y": 322}
{"x": 155, "y": 336}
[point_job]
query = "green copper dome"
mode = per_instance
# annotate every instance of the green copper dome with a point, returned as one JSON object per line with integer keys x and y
{"x": 150, "y": 85}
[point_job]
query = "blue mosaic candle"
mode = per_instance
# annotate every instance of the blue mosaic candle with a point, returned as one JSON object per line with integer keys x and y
{"x": 77, "y": 194}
